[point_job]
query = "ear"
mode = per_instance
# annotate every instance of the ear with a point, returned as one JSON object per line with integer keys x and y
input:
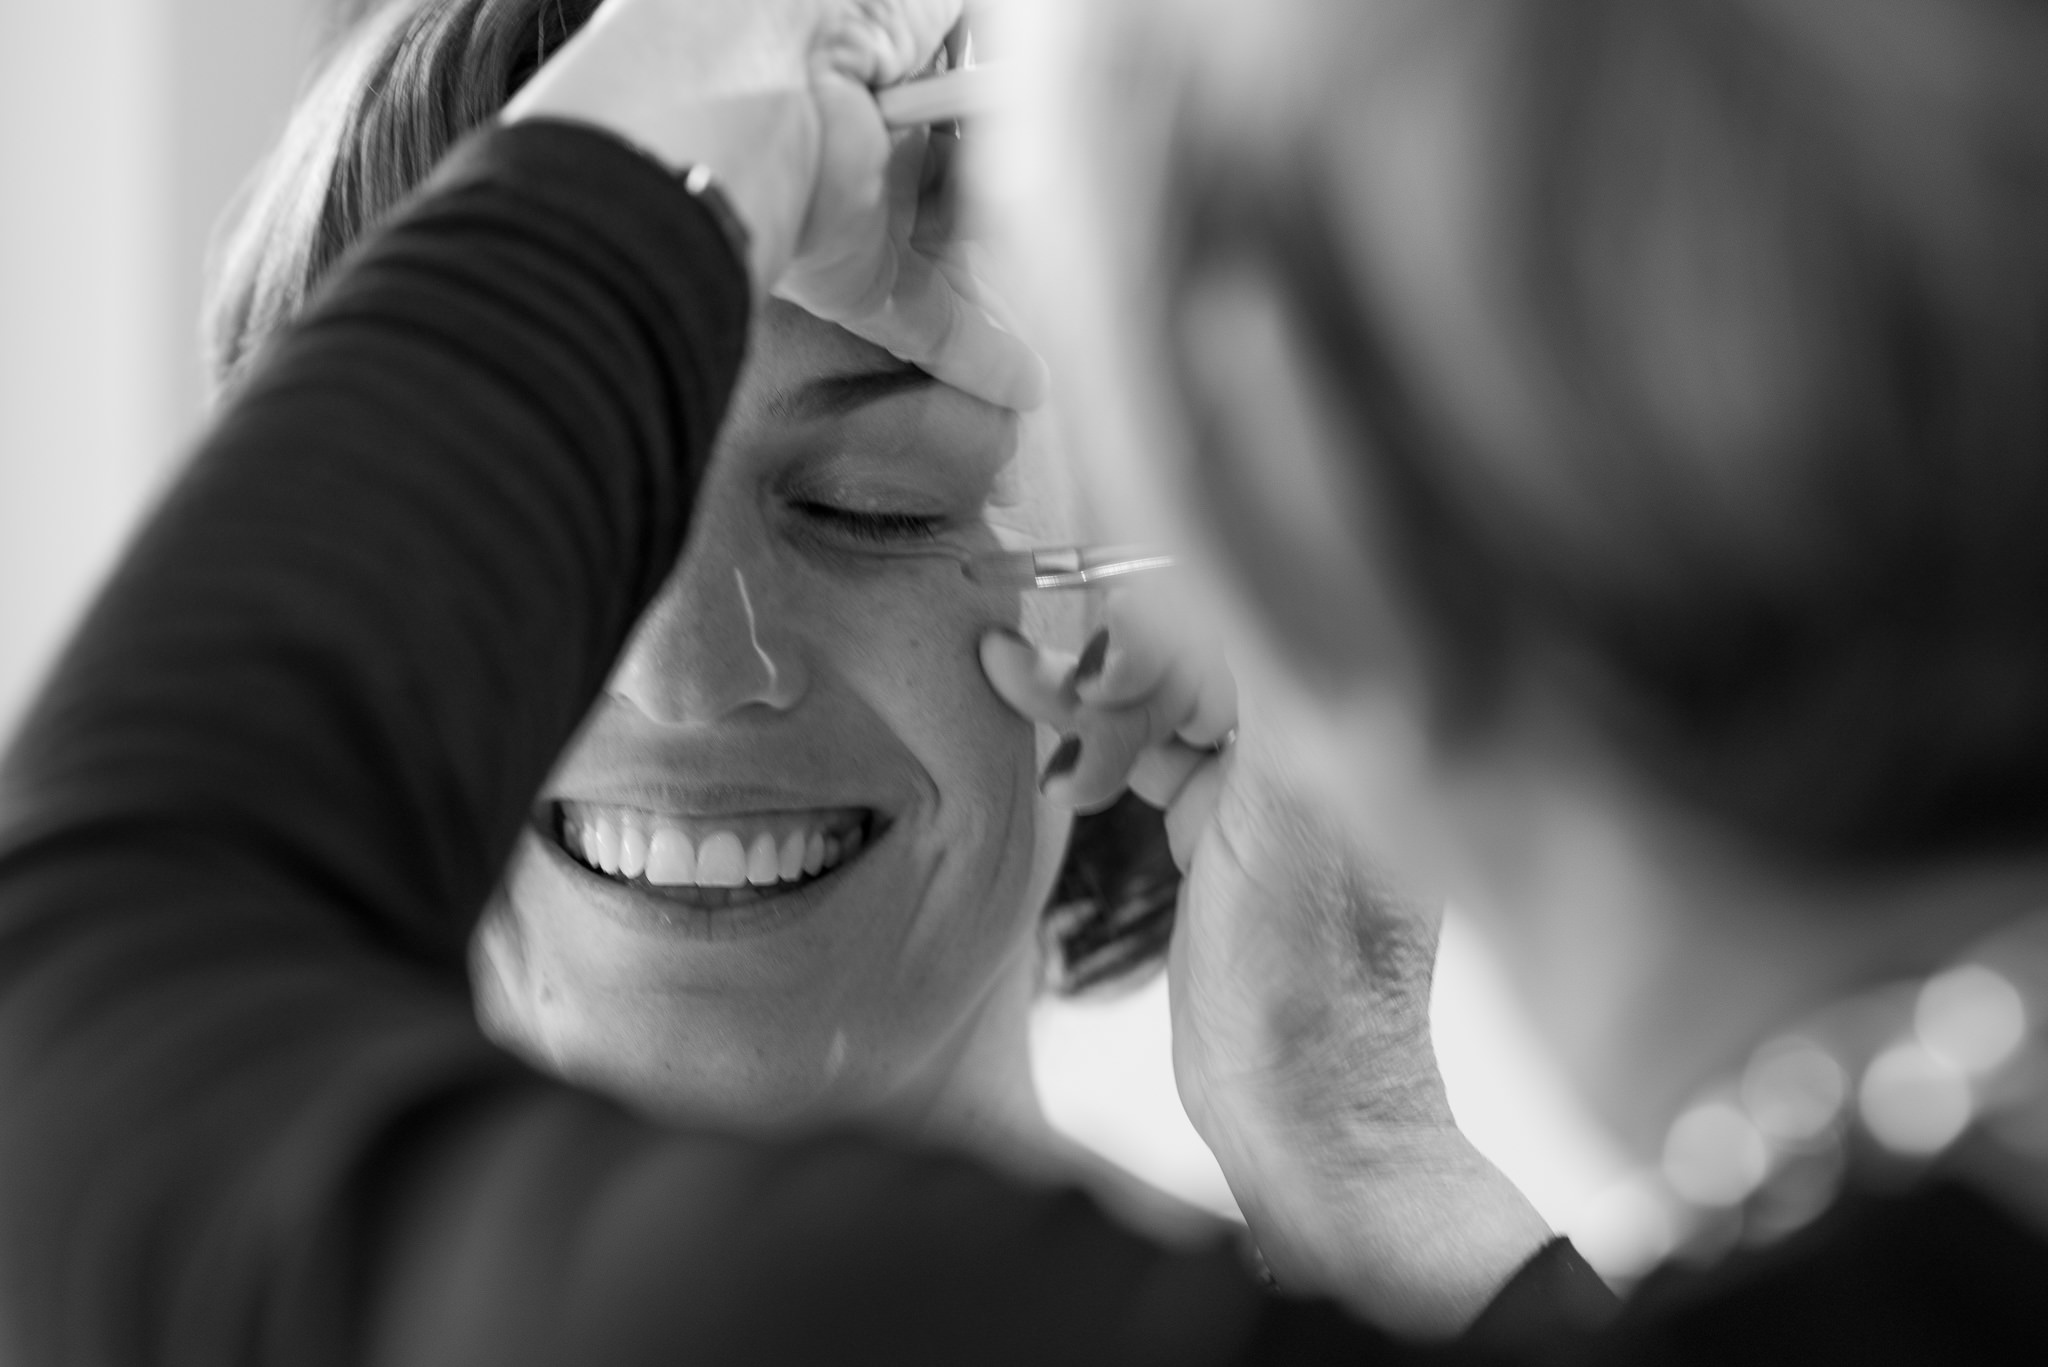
{"x": 1274, "y": 480}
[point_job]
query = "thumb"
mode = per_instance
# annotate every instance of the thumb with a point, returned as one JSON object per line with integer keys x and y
{"x": 929, "y": 323}
{"x": 1193, "y": 811}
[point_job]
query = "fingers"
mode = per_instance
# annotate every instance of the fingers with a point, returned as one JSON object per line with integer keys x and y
{"x": 1113, "y": 739}
{"x": 858, "y": 265}
{"x": 1131, "y": 713}
{"x": 1035, "y": 682}
{"x": 1212, "y": 712}
{"x": 1103, "y": 744}
{"x": 845, "y": 263}
{"x": 1186, "y": 691}
{"x": 927, "y": 322}
{"x": 1194, "y": 810}
{"x": 881, "y": 41}
{"x": 1162, "y": 772}
{"x": 1127, "y": 660}
{"x": 1135, "y": 657}
{"x": 938, "y": 220}
{"x": 1136, "y": 715}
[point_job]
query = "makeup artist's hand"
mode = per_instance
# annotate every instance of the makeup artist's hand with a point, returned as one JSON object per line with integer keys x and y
{"x": 1299, "y": 979}
{"x": 776, "y": 99}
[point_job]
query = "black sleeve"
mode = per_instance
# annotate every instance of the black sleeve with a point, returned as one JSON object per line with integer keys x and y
{"x": 1555, "y": 1295}
{"x": 245, "y": 1114}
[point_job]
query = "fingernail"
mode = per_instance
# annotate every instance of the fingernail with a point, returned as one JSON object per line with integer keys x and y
{"x": 1062, "y": 762}
{"x": 1092, "y": 656}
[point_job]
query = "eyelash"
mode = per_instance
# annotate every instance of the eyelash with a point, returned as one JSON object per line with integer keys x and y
{"x": 876, "y": 527}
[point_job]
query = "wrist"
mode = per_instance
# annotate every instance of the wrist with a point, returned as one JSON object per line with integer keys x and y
{"x": 1413, "y": 1229}
{"x": 721, "y": 87}
{"x": 762, "y": 153}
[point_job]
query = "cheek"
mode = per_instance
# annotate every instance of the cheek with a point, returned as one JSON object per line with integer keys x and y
{"x": 913, "y": 658}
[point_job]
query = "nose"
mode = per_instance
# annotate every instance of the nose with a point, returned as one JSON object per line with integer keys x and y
{"x": 713, "y": 641}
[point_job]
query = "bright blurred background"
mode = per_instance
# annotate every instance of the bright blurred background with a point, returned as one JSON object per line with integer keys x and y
{"x": 126, "y": 127}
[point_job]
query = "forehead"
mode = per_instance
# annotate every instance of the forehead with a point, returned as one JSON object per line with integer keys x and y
{"x": 789, "y": 346}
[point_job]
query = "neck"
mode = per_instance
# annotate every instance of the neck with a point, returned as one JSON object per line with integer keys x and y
{"x": 978, "y": 1098}
{"x": 975, "y": 1094}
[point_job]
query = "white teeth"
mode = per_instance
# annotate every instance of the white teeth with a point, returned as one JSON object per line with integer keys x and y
{"x": 671, "y": 859}
{"x": 761, "y": 861}
{"x": 632, "y": 852}
{"x": 632, "y": 844}
{"x": 721, "y": 863}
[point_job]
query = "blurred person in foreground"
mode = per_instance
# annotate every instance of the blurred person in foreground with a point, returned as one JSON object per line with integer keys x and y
{"x": 246, "y": 831}
{"x": 1622, "y": 428}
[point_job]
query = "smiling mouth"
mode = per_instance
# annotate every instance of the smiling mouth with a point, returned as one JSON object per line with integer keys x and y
{"x": 713, "y": 862}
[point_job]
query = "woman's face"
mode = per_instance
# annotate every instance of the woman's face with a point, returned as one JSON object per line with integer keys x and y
{"x": 797, "y": 851}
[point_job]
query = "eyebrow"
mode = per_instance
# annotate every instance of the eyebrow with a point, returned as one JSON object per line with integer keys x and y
{"x": 834, "y": 396}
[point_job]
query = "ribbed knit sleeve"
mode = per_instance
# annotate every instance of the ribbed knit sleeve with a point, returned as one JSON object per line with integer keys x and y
{"x": 245, "y": 1114}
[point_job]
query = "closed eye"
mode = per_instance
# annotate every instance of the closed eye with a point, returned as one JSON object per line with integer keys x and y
{"x": 879, "y": 527}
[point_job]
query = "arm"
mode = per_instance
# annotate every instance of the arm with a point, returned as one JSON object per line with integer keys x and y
{"x": 1303, "y": 1054}
{"x": 252, "y": 816}
{"x": 1300, "y": 984}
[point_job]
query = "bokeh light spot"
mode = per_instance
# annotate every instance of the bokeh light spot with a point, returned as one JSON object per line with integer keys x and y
{"x": 1714, "y": 1155}
{"x": 1793, "y": 1090}
{"x": 1971, "y": 1018}
{"x": 1914, "y": 1101}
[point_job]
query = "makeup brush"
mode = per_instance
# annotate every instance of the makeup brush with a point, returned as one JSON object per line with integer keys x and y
{"x": 1064, "y": 567}
{"x": 1040, "y": 567}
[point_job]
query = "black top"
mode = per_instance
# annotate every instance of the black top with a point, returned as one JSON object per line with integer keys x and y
{"x": 245, "y": 1112}
{"x": 1936, "y": 1275}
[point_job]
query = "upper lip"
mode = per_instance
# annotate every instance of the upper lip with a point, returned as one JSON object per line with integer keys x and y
{"x": 701, "y": 802}
{"x": 700, "y": 779}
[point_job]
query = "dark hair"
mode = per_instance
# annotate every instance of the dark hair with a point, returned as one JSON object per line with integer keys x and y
{"x": 395, "y": 92}
{"x": 1111, "y": 911}
{"x": 1777, "y": 274}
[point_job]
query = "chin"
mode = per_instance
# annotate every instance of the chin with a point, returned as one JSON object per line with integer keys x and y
{"x": 785, "y": 1009}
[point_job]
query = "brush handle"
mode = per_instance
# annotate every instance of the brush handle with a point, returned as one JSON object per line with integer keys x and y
{"x": 960, "y": 94}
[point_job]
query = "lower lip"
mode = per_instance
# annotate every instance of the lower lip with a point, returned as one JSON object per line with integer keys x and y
{"x": 670, "y": 911}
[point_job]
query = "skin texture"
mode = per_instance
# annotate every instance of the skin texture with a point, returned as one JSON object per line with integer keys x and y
{"x": 899, "y": 987}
